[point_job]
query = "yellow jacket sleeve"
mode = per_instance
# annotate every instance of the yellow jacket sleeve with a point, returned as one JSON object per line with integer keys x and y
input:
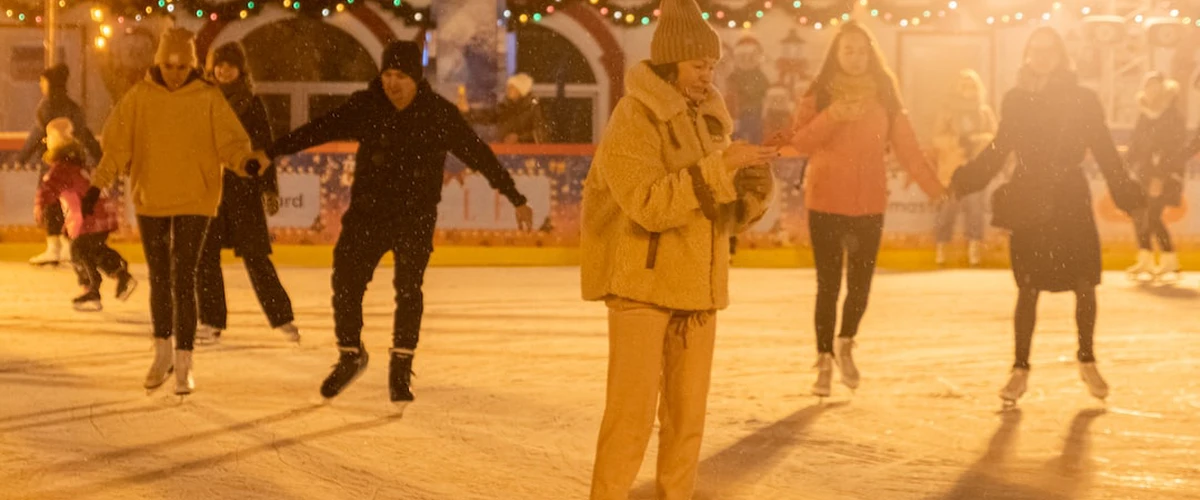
{"x": 117, "y": 141}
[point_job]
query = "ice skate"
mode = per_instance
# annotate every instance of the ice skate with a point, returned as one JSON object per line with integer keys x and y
{"x": 184, "y": 383}
{"x": 290, "y": 332}
{"x": 88, "y": 302}
{"x": 51, "y": 256}
{"x": 163, "y": 366}
{"x": 352, "y": 362}
{"x": 64, "y": 250}
{"x": 1095, "y": 383}
{"x": 939, "y": 257}
{"x": 844, "y": 360}
{"x": 126, "y": 284}
{"x": 400, "y": 377}
{"x": 975, "y": 253}
{"x": 1015, "y": 388}
{"x": 1143, "y": 269}
{"x": 1168, "y": 270}
{"x": 208, "y": 335}
{"x": 822, "y": 388}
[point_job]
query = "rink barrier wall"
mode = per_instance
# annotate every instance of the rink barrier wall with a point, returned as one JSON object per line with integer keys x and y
{"x": 476, "y": 226}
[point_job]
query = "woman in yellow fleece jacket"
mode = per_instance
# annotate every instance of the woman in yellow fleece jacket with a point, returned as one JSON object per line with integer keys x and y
{"x": 664, "y": 194}
{"x": 172, "y": 134}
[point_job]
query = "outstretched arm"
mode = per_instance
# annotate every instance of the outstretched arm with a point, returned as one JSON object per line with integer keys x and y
{"x": 468, "y": 147}
{"x": 341, "y": 124}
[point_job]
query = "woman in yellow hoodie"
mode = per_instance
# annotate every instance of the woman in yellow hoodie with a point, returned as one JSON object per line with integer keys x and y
{"x": 172, "y": 134}
{"x": 664, "y": 194}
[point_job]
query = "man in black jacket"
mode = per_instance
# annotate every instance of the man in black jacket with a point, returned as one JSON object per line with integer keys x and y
{"x": 404, "y": 130}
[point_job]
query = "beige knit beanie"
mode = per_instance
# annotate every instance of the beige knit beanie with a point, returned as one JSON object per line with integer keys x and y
{"x": 176, "y": 46}
{"x": 683, "y": 34}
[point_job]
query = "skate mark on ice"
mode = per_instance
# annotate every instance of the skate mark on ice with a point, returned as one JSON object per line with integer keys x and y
{"x": 68, "y": 409}
{"x": 98, "y": 488}
{"x": 60, "y": 381}
{"x": 996, "y": 475}
{"x": 90, "y": 416}
{"x": 750, "y": 457}
{"x": 71, "y": 361}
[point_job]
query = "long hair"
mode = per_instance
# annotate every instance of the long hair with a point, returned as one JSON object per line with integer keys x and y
{"x": 980, "y": 89}
{"x": 1065, "y": 72}
{"x": 889, "y": 90}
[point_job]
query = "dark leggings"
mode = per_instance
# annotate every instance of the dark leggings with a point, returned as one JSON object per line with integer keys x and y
{"x": 91, "y": 254}
{"x": 1026, "y": 318}
{"x": 1149, "y": 224}
{"x": 839, "y": 240}
{"x": 210, "y": 290}
{"x": 54, "y": 219}
{"x": 172, "y": 246}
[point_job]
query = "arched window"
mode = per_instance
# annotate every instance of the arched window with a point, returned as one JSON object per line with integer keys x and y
{"x": 551, "y": 59}
{"x": 303, "y": 68}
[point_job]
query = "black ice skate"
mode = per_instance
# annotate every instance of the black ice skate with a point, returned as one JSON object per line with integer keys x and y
{"x": 400, "y": 375}
{"x": 352, "y": 362}
{"x": 88, "y": 302}
{"x": 125, "y": 285}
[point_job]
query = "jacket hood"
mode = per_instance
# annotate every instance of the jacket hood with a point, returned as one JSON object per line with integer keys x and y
{"x": 643, "y": 85}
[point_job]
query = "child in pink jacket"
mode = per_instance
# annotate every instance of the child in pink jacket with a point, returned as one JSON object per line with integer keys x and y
{"x": 65, "y": 184}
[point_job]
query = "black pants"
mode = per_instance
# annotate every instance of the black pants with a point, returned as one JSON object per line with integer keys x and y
{"x": 1149, "y": 224}
{"x": 210, "y": 287}
{"x": 172, "y": 246}
{"x": 90, "y": 254}
{"x": 358, "y": 251}
{"x": 1025, "y": 320}
{"x": 839, "y": 240}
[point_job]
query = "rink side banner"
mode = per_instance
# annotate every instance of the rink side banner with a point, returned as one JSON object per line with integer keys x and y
{"x": 315, "y": 192}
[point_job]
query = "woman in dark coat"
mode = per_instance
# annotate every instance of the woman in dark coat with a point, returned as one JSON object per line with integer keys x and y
{"x": 241, "y": 223}
{"x": 1159, "y": 135}
{"x": 1050, "y": 122}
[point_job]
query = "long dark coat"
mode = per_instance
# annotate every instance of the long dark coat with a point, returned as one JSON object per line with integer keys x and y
{"x": 1050, "y": 131}
{"x": 241, "y": 222}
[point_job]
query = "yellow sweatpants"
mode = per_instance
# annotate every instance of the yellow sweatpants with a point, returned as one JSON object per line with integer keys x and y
{"x": 651, "y": 348}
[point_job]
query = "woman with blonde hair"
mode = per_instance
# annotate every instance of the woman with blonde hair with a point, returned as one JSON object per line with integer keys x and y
{"x": 1050, "y": 123}
{"x": 849, "y": 119}
{"x": 964, "y": 127}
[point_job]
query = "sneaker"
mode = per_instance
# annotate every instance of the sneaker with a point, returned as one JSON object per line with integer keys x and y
{"x": 290, "y": 332}
{"x": 208, "y": 335}
{"x": 1018, "y": 382}
{"x": 400, "y": 375}
{"x": 126, "y": 284}
{"x": 822, "y": 388}
{"x": 88, "y": 302}
{"x": 352, "y": 362}
{"x": 845, "y": 361}
{"x": 1095, "y": 383}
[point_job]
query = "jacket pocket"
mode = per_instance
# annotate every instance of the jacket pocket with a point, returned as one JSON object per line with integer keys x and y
{"x": 652, "y": 250}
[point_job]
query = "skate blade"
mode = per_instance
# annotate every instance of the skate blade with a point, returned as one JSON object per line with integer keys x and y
{"x": 128, "y": 291}
{"x": 89, "y": 307}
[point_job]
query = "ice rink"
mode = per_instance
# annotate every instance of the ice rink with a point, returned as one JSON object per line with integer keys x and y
{"x": 510, "y": 386}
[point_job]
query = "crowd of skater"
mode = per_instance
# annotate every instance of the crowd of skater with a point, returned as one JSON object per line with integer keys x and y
{"x": 667, "y": 190}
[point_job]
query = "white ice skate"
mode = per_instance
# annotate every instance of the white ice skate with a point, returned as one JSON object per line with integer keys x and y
{"x": 184, "y": 384}
{"x": 208, "y": 335}
{"x": 290, "y": 332}
{"x": 164, "y": 364}
{"x": 845, "y": 361}
{"x": 1015, "y": 388}
{"x": 64, "y": 250}
{"x": 1168, "y": 270}
{"x": 822, "y": 388}
{"x": 1143, "y": 270}
{"x": 1095, "y": 383}
{"x": 50, "y": 256}
{"x": 975, "y": 253}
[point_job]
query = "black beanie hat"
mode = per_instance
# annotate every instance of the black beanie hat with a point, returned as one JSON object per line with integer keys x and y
{"x": 404, "y": 56}
{"x": 231, "y": 53}
{"x": 57, "y": 76}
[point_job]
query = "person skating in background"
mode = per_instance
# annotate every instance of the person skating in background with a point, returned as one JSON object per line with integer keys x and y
{"x": 404, "y": 130}
{"x": 171, "y": 134}
{"x": 1050, "y": 122}
{"x": 666, "y": 190}
{"x": 850, "y": 117}
{"x": 65, "y": 185}
{"x": 56, "y": 103}
{"x": 1153, "y": 156}
{"x": 519, "y": 118}
{"x": 965, "y": 125}
{"x": 241, "y": 222}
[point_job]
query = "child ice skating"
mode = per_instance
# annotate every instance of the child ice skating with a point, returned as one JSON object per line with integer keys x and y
{"x": 65, "y": 186}
{"x": 1050, "y": 122}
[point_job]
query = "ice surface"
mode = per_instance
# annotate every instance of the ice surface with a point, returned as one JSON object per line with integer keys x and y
{"x": 510, "y": 386}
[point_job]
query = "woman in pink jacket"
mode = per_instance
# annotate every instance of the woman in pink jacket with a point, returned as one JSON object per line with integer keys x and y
{"x": 846, "y": 124}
